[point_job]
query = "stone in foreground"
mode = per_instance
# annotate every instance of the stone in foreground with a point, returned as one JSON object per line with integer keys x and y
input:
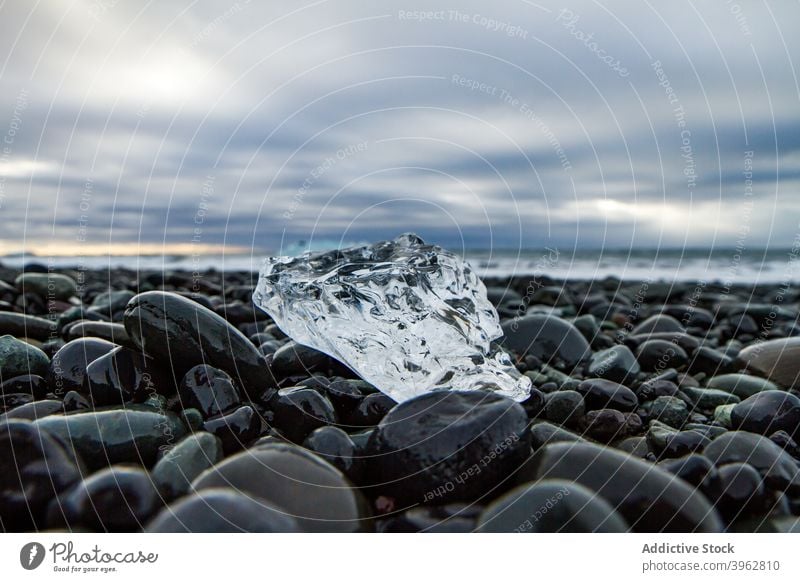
{"x": 406, "y": 316}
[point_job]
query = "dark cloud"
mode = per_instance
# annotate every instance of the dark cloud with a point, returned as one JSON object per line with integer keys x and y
{"x": 509, "y": 124}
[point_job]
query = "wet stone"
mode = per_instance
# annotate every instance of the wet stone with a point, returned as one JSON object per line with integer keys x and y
{"x": 767, "y": 412}
{"x": 554, "y": 341}
{"x": 68, "y": 365}
{"x": 647, "y": 497}
{"x": 299, "y": 410}
{"x": 371, "y": 410}
{"x": 740, "y": 385}
{"x": 657, "y": 324}
{"x": 31, "y": 384}
{"x": 307, "y": 488}
{"x": 707, "y": 399}
{"x": 209, "y": 390}
{"x": 550, "y": 506}
{"x": 741, "y": 492}
{"x": 116, "y": 435}
{"x": 786, "y": 442}
{"x": 604, "y": 425}
{"x": 174, "y": 472}
{"x": 75, "y": 401}
{"x": 47, "y": 285}
{"x": 543, "y": 433}
{"x": 670, "y": 410}
{"x": 616, "y": 363}
{"x": 336, "y": 447}
{"x": 534, "y": 403}
{"x": 34, "y": 468}
{"x": 34, "y": 410}
{"x": 656, "y": 354}
{"x": 776, "y": 360}
{"x": 446, "y": 446}
{"x": 222, "y": 510}
{"x": 598, "y": 393}
{"x": 123, "y": 375}
{"x": 18, "y": 358}
{"x": 771, "y": 461}
{"x": 115, "y": 499}
{"x": 111, "y": 332}
{"x": 683, "y": 443}
{"x": 236, "y": 429}
{"x": 22, "y": 325}
{"x": 344, "y": 395}
{"x": 565, "y": 407}
{"x": 180, "y": 334}
{"x": 696, "y": 470}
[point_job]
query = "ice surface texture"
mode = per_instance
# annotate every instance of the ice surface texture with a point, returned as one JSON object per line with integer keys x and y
{"x": 406, "y": 316}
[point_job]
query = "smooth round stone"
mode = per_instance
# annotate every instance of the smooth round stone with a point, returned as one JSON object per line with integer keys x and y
{"x": 174, "y": 472}
{"x": 22, "y": 325}
{"x": 710, "y": 362}
{"x": 31, "y": 384}
{"x": 9, "y": 401}
{"x": 47, "y": 285}
{"x": 616, "y": 363}
{"x": 129, "y": 435}
{"x": 235, "y": 429}
{"x": 740, "y": 385}
{"x": 222, "y": 510}
{"x": 658, "y": 324}
{"x": 564, "y": 407}
{"x": 336, "y": 447}
{"x": 209, "y": 390}
{"x": 786, "y": 442}
{"x": 111, "y": 332}
{"x": 684, "y": 341}
{"x": 18, "y": 358}
{"x": 451, "y": 518}
{"x": 683, "y": 443}
{"x": 771, "y": 461}
{"x": 534, "y": 403}
{"x": 543, "y": 433}
{"x": 344, "y": 395}
{"x": 670, "y": 410}
{"x": 697, "y": 470}
{"x": 300, "y": 410}
{"x": 741, "y": 492}
{"x": 550, "y": 506}
{"x": 690, "y": 315}
{"x": 293, "y": 358}
{"x": 767, "y": 412}
{"x": 306, "y": 487}
{"x": 182, "y": 334}
{"x": 75, "y": 401}
{"x": 776, "y": 360}
{"x": 656, "y": 354}
{"x": 371, "y": 410}
{"x": 554, "y": 341}
{"x": 123, "y": 375}
{"x": 652, "y": 389}
{"x": 34, "y": 410}
{"x": 648, "y": 498}
{"x": 598, "y": 393}
{"x": 68, "y": 365}
{"x": 115, "y": 499}
{"x": 707, "y": 399}
{"x": 605, "y": 424}
{"x": 111, "y": 302}
{"x": 447, "y": 446}
{"x": 34, "y": 468}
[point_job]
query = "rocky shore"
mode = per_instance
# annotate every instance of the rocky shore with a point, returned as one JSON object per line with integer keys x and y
{"x": 165, "y": 402}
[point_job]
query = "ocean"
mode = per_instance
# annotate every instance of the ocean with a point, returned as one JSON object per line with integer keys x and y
{"x": 729, "y": 266}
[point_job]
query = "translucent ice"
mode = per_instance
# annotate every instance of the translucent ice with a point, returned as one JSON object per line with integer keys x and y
{"x": 406, "y": 316}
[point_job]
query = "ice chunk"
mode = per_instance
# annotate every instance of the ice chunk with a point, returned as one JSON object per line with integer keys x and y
{"x": 406, "y": 316}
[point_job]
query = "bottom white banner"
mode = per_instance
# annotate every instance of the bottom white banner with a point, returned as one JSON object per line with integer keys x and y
{"x": 331, "y": 557}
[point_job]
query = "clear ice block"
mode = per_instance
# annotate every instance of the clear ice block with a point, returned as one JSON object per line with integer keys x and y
{"x": 406, "y": 316}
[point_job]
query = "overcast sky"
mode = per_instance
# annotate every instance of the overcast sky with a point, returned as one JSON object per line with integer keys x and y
{"x": 177, "y": 125}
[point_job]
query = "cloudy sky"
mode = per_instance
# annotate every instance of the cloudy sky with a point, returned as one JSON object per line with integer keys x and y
{"x": 175, "y": 125}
